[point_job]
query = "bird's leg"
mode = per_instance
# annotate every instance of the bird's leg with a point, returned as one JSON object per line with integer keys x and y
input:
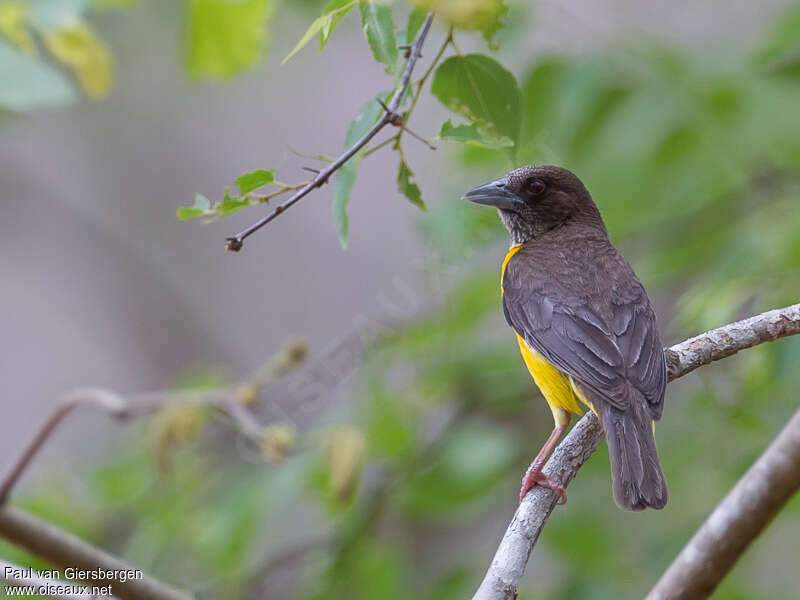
{"x": 534, "y": 476}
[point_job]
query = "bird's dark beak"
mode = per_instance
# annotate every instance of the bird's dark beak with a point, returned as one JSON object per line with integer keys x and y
{"x": 494, "y": 194}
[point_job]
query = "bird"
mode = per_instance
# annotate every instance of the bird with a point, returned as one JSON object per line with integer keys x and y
{"x": 584, "y": 324}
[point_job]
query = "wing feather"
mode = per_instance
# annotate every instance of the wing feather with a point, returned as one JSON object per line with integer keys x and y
{"x": 607, "y": 341}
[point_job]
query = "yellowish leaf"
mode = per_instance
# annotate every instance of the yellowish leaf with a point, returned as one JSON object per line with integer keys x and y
{"x": 344, "y": 455}
{"x": 13, "y": 26}
{"x": 77, "y": 46}
{"x": 175, "y": 426}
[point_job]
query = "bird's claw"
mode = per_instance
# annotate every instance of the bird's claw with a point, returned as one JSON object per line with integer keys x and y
{"x": 533, "y": 478}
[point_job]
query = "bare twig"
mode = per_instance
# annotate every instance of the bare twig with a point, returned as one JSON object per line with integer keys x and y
{"x": 511, "y": 558}
{"x": 395, "y": 139}
{"x": 282, "y": 189}
{"x": 736, "y": 521}
{"x": 65, "y": 550}
{"x": 398, "y": 121}
{"x": 117, "y": 407}
{"x": 114, "y": 405}
{"x": 236, "y": 242}
{"x": 421, "y": 83}
{"x": 229, "y": 401}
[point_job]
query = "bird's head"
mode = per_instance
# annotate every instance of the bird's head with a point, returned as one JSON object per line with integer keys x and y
{"x": 535, "y": 199}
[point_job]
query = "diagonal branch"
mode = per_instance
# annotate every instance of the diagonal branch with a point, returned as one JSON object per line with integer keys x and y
{"x": 390, "y": 117}
{"x": 511, "y": 558}
{"x": 26, "y": 578}
{"x": 65, "y": 550}
{"x": 736, "y": 521}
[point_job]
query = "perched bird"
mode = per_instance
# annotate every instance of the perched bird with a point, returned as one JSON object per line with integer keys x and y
{"x": 584, "y": 323}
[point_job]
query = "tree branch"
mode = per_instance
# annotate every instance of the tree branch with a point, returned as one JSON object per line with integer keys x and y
{"x": 228, "y": 401}
{"x": 511, "y": 558}
{"x": 390, "y": 117}
{"x": 15, "y": 575}
{"x": 736, "y": 521}
{"x": 65, "y": 550}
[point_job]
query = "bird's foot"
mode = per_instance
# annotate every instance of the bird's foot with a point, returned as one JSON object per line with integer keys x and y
{"x": 536, "y": 477}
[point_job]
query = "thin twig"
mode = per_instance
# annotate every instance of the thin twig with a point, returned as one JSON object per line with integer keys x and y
{"x": 236, "y": 242}
{"x": 736, "y": 521}
{"x": 511, "y": 558}
{"x": 421, "y": 83}
{"x": 229, "y": 401}
{"x": 282, "y": 189}
{"x": 107, "y": 401}
{"x": 398, "y": 121}
{"x": 411, "y": 132}
{"x": 383, "y": 144}
{"x": 395, "y": 139}
{"x": 119, "y": 408}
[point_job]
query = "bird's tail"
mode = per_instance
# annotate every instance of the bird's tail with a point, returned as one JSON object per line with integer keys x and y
{"x": 635, "y": 471}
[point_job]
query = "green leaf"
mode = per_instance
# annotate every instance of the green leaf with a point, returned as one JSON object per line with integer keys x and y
{"x": 392, "y": 424}
{"x": 76, "y": 46}
{"x": 345, "y": 177}
{"x": 486, "y": 16}
{"x": 780, "y": 52}
{"x": 324, "y": 25}
{"x": 495, "y": 23}
{"x": 29, "y": 84}
{"x": 415, "y": 21}
{"x": 407, "y": 187}
{"x": 343, "y": 183}
{"x": 378, "y": 24}
{"x": 14, "y": 18}
{"x": 201, "y": 207}
{"x": 253, "y": 180}
{"x": 469, "y": 463}
{"x": 468, "y": 134}
{"x": 226, "y": 37}
{"x": 481, "y": 90}
{"x": 541, "y": 101}
{"x": 338, "y": 8}
{"x": 230, "y": 204}
{"x": 316, "y": 27}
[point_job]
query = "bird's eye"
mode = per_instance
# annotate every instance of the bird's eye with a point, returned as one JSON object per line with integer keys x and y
{"x": 536, "y": 187}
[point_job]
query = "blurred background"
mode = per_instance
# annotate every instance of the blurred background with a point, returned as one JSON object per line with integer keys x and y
{"x": 394, "y": 450}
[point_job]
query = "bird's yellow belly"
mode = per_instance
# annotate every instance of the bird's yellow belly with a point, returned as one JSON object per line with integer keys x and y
{"x": 559, "y": 390}
{"x": 556, "y": 387}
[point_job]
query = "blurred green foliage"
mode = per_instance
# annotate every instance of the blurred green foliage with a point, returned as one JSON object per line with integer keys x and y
{"x": 50, "y": 53}
{"x": 226, "y": 37}
{"x": 695, "y": 164}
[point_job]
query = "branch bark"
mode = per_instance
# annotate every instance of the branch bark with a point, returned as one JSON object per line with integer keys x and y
{"x": 736, "y": 521}
{"x": 9, "y": 574}
{"x": 65, "y": 550}
{"x": 390, "y": 117}
{"x": 511, "y": 558}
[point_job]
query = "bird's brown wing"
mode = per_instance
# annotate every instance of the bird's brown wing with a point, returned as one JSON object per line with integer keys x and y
{"x": 596, "y": 324}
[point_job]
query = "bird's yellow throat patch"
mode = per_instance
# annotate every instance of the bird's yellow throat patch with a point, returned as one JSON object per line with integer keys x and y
{"x": 511, "y": 252}
{"x": 556, "y": 387}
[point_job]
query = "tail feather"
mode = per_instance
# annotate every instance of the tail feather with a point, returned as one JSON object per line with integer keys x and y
{"x": 635, "y": 471}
